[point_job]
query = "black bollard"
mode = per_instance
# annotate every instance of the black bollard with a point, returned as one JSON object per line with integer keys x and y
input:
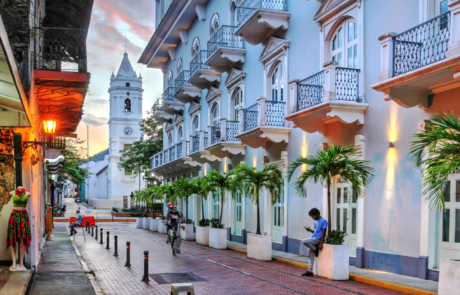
{"x": 92, "y": 230}
{"x": 86, "y": 227}
{"x": 127, "y": 254}
{"x": 102, "y": 238}
{"x": 116, "y": 246}
{"x": 145, "y": 278}
{"x": 96, "y": 232}
{"x": 108, "y": 246}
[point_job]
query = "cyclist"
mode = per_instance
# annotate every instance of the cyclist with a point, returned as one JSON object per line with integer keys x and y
{"x": 172, "y": 219}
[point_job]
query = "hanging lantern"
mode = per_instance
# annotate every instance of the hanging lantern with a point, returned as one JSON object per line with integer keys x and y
{"x": 49, "y": 126}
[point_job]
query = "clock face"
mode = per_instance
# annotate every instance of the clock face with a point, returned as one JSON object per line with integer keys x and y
{"x": 128, "y": 130}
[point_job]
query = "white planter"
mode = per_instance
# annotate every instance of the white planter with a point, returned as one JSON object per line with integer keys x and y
{"x": 202, "y": 235}
{"x": 187, "y": 234}
{"x": 449, "y": 277}
{"x": 218, "y": 238}
{"x": 139, "y": 223}
{"x": 147, "y": 222}
{"x": 333, "y": 262}
{"x": 260, "y": 247}
{"x": 161, "y": 227}
{"x": 154, "y": 224}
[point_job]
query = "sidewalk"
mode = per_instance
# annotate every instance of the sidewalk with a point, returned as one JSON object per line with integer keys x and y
{"x": 14, "y": 282}
{"x": 60, "y": 270}
{"x": 405, "y": 284}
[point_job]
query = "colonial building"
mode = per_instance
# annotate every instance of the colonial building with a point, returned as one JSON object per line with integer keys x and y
{"x": 262, "y": 82}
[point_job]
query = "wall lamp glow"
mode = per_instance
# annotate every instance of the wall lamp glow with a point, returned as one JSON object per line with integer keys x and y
{"x": 392, "y": 145}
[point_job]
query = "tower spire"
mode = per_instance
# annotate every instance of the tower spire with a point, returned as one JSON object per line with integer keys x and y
{"x": 125, "y": 43}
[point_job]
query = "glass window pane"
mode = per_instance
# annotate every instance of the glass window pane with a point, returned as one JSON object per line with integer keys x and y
{"x": 339, "y": 191}
{"x": 457, "y": 225}
{"x": 334, "y": 58}
{"x": 353, "y": 221}
{"x": 447, "y": 191}
{"x": 350, "y": 57}
{"x": 340, "y": 59}
{"x": 340, "y": 37}
{"x": 338, "y": 219}
{"x": 457, "y": 193}
{"x": 279, "y": 216}
{"x": 282, "y": 92}
{"x": 350, "y": 31}
{"x": 445, "y": 225}
{"x": 356, "y": 63}
{"x": 345, "y": 194}
{"x": 444, "y": 7}
{"x": 334, "y": 43}
{"x": 355, "y": 197}
{"x": 356, "y": 31}
{"x": 345, "y": 220}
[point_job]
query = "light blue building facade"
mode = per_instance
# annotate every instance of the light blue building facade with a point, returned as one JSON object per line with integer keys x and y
{"x": 267, "y": 81}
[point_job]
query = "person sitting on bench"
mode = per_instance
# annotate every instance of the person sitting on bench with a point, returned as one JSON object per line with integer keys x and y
{"x": 78, "y": 222}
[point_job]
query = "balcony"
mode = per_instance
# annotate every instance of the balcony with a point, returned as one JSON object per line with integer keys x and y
{"x": 223, "y": 139}
{"x": 422, "y": 61}
{"x": 225, "y": 50}
{"x": 201, "y": 75}
{"x": 172, "y": 159}
{"x": 259, "y": 19}
{"x": 326, "y": 97}
{"x": 171, "y": 105}
{"x": 263, "y": 123}
{"x": 160, "y": 115}
{"x": 198, "y": 152}
{"x": 186, "y": 92}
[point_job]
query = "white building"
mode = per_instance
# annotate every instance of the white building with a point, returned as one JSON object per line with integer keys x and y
{"x": 263, "y": 81}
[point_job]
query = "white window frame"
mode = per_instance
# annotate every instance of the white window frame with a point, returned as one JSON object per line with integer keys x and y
{"x": 214, "y": 24}
{"x": 349, "y": 41}
{"x": 195, "y": 128}
{"x": 214, "y": 117}
{"x": 235, "y": 83}
{"x": 179, "y": 133}
{"x": 179, "y": 66}
{"x": 170, "y": 138}
{"x": 195, "y": 47}
{"x": 278, "y": 83}
{"x": 170, "y": 79}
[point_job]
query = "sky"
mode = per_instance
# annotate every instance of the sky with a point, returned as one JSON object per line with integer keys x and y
{"x": 110, "y": 23}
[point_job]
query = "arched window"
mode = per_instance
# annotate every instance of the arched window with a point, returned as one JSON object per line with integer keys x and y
{"x": 215, "y": 115}
{"x": 196, "y": 125}
{"x": 277, "y": 84}
{"x": 127, "y": 105}
{"x": 179, "y": 66}
{"x": 195, "y": 47}
{"x": 180, "y": 133}
{"x": 234, "y": 14}
{"x": 344, "y": 45}
{"x": 237, "y": 102}
{"x": 170, "y": 79}
{"x": 214, "y": 24}
{"x": 170, "y": 139}
{"x": 127, "y": 93}
{"x": 127, "y": 85}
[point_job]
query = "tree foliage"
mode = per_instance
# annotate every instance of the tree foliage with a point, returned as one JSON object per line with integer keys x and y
{"x": 74, "y": 157}
{"x": 152, "y": 128}
{"x": 221, "y": 184}
{"x": 137, "y": 158}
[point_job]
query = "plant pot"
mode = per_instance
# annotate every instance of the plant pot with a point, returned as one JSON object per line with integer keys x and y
{"x": 161, "y": 227}
{"x": 218, "y": 238}
{"x": 449, "y": 277}
{"x": 147, "y": 223}
{"x": 202, "y": 235}
{"x": 139, "y": 223}
{"x": 260, "y": 247}
{"x": 154, "y": 224}
{"x": 333, "y": 262}
{"x": 187, "y": 234}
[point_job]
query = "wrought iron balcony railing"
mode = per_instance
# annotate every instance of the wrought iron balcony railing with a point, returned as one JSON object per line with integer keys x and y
{"x": 224, "y": 37}
{"x": 206, "y": 139}
{"x": 347, "y": 84}
{"x": 250, "y": 117}
{"x": 310, "y": 91}
{"x": 248, "y": 7}
{"x": 158, "y": 104}
{"x": 54, "y": 143}
{"x": 216, "y": 133}
{"x": 274, "y": 113}
{"x": 195, "y": 143}
{"x": 168, "y": 95}
{"x": 198, "y": 61}
{"x": 232, "y": 130}
{"x": 422, "y": 45}
{"x": 177, "y": 151}
{"x": 181, "y": 80}
{"x": 60, "y": 49}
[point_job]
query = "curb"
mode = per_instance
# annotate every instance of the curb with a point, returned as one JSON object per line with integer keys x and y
{"x": 357, "y": 278}
{"x": 92, "y": 279}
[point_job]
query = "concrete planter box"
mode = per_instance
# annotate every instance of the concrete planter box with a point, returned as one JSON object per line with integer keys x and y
{"x": 449, "y": 277}
{"x": 147, "y": 223}
{"x": 218, "y": 238}
{"x": 187, "y": 234}
{"x": 139, "y": 223}
{"x": 202, "y": 235}
{"x": 260, "y": 247}
{"x": 154, "y": 224}
{"x": 161, "y": 227}
{"x": 333, "y": 262}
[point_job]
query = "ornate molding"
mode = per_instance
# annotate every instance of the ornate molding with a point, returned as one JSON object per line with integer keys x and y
{"x": 178, "y": 119}
{"x": 213, "y": 94}
{"x": 274, "y": 47}
{"x": 235, "y": 77}
{"x": 194, "y": 108}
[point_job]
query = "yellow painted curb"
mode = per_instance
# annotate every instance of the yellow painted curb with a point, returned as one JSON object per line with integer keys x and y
{"x": 357, "y": 278}
{"x": 100, "y": 220}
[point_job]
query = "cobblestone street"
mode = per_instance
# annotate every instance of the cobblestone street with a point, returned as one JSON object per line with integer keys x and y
{"x": 222, "y": 271}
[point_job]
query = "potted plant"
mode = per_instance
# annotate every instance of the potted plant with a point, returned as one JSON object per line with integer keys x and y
{"x": 250, "y": 182}
{"x": 187, "y": 234}
{"x": 217, "y": 235}
{"x": 183, "y": 190}
{"x": 140, "y": 219}
{"x": 161, "y": 225}
{"x": 202, "y": 232}
{"x": 202, "y": 188}
{"x": 333, "y": 261}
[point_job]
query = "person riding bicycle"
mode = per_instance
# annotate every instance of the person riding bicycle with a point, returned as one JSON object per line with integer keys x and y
{"x": 172, "y": 218}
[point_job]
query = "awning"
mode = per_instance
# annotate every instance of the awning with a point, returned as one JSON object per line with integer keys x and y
{"x": 56, "y": 165}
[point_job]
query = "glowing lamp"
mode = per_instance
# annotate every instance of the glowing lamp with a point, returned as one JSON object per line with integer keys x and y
{"x": 49, "y": 126}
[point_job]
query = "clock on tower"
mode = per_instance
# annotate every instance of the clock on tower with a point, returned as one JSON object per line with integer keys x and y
{"x": 128, "y": 130}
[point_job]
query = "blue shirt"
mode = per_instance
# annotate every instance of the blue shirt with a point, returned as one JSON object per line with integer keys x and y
{"x": 79, "y": 219}
{"x": 319, "y": 226}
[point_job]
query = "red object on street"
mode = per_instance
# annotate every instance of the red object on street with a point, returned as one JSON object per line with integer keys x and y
{"x": 89, "y": 219}
{"x": 182, "y": 226}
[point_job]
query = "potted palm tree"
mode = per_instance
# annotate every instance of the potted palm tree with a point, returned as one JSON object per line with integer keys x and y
{"x": 140, "y": 220}
{"x": 202, "y": 188}
{"x": 183, "y": 190}
{"x": 152, "y": 193}
{"x": 437, "y": 151}
{"x": 147, "y": 202}
{"x": 217, "y": 233}
{"x": 167, "y": 191}
{"x": 336, "y": 161}
{"x": 251, "y": 182}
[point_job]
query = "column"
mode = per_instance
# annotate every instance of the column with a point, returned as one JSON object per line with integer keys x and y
{"x": 241, "y": 120}
{"x": 329, "y": 81}
{"x": 386, "y": 56}
{"x": 292, "y": 107}
{"x": 223, "y": 129}
{"x": 261, "y": 117}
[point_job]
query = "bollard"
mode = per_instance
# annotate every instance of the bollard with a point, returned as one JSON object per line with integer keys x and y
{"x": 108, "y": 246}
{"x": 92, "y": 230}
{"x": 102, "y": 238}
{"x": 127, "y": 254}
{"x": 145, "y": 278}
{"x": 116, "y": 245}
{"x": 96, "y": 232}
{"x": 86, "y": 227}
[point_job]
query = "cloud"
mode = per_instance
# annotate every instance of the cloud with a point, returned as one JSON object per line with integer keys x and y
{"x": 93, "y": 120}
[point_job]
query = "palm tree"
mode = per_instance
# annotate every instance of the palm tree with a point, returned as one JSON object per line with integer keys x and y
{"x": 437, "y": 151}
{"x": 221, "y": 184}
{"x": 166, "y": 191}
{"x": 183, "y": 189}
{"x": 325, "y": 165}
{"x": 251, "y": 182}
{"x": 202, "y": 188}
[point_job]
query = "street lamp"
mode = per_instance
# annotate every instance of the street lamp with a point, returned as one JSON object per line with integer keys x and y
{"x": 49, "y": 126}
{"x": 132, "y": 196}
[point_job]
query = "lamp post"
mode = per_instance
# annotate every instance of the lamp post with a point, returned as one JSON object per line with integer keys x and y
{"x": 132, "y": 197}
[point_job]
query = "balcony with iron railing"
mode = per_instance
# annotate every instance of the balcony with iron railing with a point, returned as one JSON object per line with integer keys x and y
{"x": 198, "y": 149}
{"x": 172, "y": 105}
{"x": 159, "y": 114}
{"x": 223, "y": 139}
{"x": 201, "y": 75}
{"x": 172, "y": 159}
{"x": 259, "y": 19}
{"x": 422, "y": 61}
{"x": 225, "y": 50}
{"x": 263, "y": 123}
{"x": 325, "y": 97}
{"x": 185, "y": 92}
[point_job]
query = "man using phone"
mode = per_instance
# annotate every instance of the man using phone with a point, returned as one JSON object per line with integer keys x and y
{"x": 315, "y": 242}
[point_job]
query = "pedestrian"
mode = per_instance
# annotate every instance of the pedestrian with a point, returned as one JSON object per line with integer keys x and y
{"x": 77, "y": 222}
{"x": 315, "y": 242}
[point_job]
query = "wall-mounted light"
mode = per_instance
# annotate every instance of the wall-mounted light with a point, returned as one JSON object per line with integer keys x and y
{"x": 49, "y": 126}
{"x": 392, "y": 145}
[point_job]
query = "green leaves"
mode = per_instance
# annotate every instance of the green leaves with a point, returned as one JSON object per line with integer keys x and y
{"x": 336, "y": 237}
{"x": 137, "y": 158}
